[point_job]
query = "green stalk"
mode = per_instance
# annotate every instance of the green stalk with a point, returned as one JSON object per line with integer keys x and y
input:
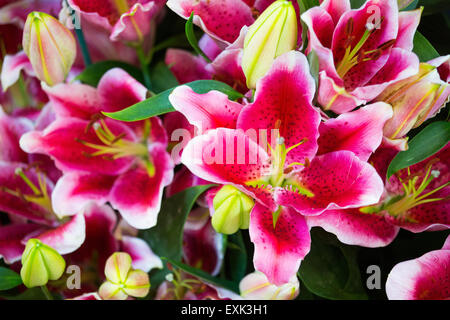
{"x": 83, "y": 45}
{"x": 46, "y": 293}
{"x": 144, "y": 66}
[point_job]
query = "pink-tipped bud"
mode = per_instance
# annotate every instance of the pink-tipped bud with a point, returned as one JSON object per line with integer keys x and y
{"x": 50, "y": 46}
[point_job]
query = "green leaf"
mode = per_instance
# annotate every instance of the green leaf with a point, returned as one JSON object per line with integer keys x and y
{"x": 330, "y": 270}
{"x": 206, "y": 276}
{"x": 162, "y": 78}
{"x": 93, "y": 73}
{"x": 236, "y": 257}
{"x": 9, "y": 279}
{"x": 160, "y": 104}
{"x": 423, "y": 48}
{"x": 193, "y": 39}
{"x": 356, "y": 4}
{"x": 425, "y": 144}
{"x": 407, "y": 5}
{"x": 305, "y": 5}
{"x": 313, "y": 60}
{"x": 166, "y": 238}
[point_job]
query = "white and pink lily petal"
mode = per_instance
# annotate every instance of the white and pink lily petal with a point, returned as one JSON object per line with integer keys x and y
{"x": 420, "y": 195}
{"x": 424, "y": 278}
{"x": 360, "y": 54}
{"x": 220, "y": 20}
{"x": 125, "y": 20}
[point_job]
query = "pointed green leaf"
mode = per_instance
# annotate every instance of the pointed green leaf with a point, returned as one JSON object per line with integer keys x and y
{"x": 423, "y": 48}
{"x": 330, "y": 270}
{"x": 236, "y": 257}
{"x": 166, "y": 238}
{"x": 193, "y": 39}
{"x": 427, "y": 143}
{"x": 162, "y": 78}
{"x": 9, "y": 279}
{"x": 160, "y": 104}
{"x": 93, "y": 73}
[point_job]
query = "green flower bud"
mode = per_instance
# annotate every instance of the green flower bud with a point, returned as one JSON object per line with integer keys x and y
{"x": 231, "y": 210}
{"x": 275, "y": 32}
{"x": 40, "y": 263}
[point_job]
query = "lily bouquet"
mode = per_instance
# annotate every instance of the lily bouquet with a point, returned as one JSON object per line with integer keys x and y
{"x": 297, "y": 150}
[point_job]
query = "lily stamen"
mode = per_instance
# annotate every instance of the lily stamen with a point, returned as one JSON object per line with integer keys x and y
{"x": 114, "y": 146}
{"x": 413, "y": 196}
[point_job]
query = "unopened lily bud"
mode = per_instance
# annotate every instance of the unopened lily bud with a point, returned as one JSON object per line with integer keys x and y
{"x": 123, "y": 281}
{"x": 255, "y": 286}
{"x": 275, "y": 32}
{"x": 231, "y": 210}
{"x": 414, "y": 100}
{"x": 50, "y": 46}
{"x": 40, "y": 263}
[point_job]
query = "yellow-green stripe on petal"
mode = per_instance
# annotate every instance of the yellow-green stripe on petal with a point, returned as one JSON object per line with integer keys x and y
{"x": 50, "y": 46}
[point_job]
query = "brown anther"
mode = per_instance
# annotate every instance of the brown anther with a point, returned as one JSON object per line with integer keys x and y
{"x": 361, "y": 56}
{"x": 307, "y": 163}
{"x": 288, "y": 170}
{"x": 376, "y": 55}
{"x": 348, "y": 41}
{"x": 387, "y": 45}
{"x": 94, "y": 119}
{"x": 255, "y": 13}
{"x": 119, "y": 137}
{"x": 349, "y": 27}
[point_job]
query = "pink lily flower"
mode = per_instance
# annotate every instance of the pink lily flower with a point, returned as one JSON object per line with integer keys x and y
{"x": 419, "y": 196}
{"x": 281, "y": 172}
{"x": 104, "y": 160}
{"x": 220, "y": 20}
{"x": 130, "y": 21}
{"x": 26, "y": 192}
{"x": 427, "y": 94}
{"x": 424, "y": 278}
{"x": 361, "y": 52}
{"x": 416, "y": 199}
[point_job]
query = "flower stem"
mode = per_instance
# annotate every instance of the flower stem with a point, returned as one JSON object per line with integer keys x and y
{"x": 46, "y": 293}
{"x": 83, "y": 45}
{"x": 144, "y": 66}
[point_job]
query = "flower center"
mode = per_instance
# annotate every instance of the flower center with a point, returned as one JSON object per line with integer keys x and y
{"x": 414, "y": 192}
{"x": 181, "y": 284}
{"x": 40, "y": 194}
{"x": 279, "y": 154}
{"x": 114, "y": 146}
{"x": 355, "y": 55}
